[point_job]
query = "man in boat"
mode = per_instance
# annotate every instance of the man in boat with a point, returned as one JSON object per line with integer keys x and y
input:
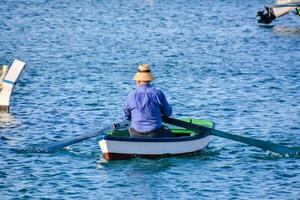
{"x": 145, "y": 107}
{"x": 280, "y": 8}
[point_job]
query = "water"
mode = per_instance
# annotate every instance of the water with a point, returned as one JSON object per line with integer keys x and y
{"x": 212, "y": 60}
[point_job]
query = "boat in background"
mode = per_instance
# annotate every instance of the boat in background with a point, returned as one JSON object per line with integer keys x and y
{"x": 118, "y": 145}
{"x": 278, "y": 9}
{"x": 8, "y": 79}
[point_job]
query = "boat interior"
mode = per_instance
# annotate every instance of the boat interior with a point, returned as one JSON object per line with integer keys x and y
{"x": 176, "y": 130}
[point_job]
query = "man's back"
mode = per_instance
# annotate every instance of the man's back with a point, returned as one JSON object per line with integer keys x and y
{"x": 144, "y": 107}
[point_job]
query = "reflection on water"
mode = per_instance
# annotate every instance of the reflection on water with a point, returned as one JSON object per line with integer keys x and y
{"x": 8, "y": 121}
{"x": 137, "y": 164}
{"x": 282, "y": 30}
{"x": 285, "y": 30}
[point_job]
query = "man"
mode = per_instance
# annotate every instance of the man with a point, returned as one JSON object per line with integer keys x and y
{"x": 145, "y": 107}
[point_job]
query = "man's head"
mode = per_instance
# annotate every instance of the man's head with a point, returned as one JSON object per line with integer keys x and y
{"x": 143, "y": 75}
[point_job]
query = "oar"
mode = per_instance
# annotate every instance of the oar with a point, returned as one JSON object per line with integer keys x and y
{"x": 277, "y": 148}
{"x": 295, "y": 4}
{"x": 55, "y": 146}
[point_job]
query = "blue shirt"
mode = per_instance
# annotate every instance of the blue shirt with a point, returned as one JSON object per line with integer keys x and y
{"x": 145, "y": 106}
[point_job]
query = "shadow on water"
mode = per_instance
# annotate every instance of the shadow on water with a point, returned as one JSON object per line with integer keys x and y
{"x": 266, "y": 26}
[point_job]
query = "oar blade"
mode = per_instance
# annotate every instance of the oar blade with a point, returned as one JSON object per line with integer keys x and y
{"x": 56, "y": 146}
{"x": 276, "y": 148}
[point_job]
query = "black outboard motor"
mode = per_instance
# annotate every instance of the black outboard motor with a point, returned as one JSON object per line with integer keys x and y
{"x": 266, "y": 16}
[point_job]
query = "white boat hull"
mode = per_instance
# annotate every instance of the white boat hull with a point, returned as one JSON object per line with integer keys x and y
{"x": 124, "y": 148}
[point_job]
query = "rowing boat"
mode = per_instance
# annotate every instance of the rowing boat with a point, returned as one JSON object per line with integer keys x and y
{"x": 118, "y": 145}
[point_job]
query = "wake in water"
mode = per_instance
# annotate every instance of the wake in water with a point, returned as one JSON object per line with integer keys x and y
{"x": 39, "y": 148}
{"x": 44, "y": 148}
{"x": 271, "y": 154}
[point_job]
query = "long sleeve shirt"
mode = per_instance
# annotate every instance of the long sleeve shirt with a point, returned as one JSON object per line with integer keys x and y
{"x": 145, "y": 106}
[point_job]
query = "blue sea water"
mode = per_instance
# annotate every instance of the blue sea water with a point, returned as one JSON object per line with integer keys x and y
{"x": 212, "y": 60}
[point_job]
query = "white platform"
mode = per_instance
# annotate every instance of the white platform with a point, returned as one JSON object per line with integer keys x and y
{"x": 8, "y": 83}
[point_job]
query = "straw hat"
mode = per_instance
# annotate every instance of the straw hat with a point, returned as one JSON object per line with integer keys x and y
{"x": 143, "y": 73}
